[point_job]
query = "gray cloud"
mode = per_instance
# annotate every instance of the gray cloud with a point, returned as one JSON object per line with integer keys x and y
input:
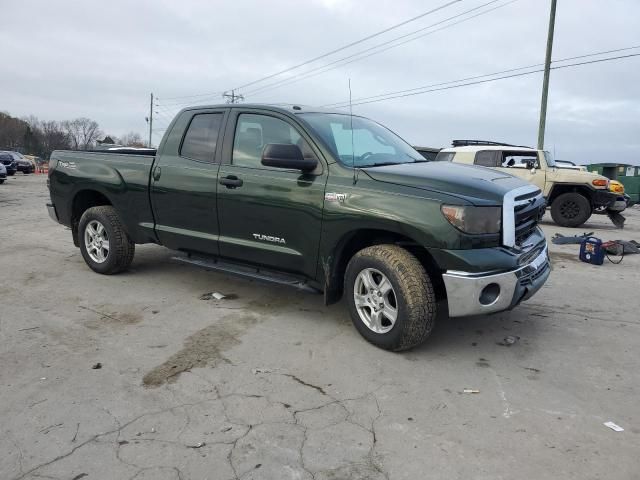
{"x": 68, "y": 58}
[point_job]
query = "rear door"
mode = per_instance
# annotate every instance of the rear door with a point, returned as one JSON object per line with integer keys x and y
{"x": 269, "y": 216}
{"x": 184, "y": 181}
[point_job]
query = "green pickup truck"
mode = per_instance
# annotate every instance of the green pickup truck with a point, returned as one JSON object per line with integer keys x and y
{"x": 321, "y": 200}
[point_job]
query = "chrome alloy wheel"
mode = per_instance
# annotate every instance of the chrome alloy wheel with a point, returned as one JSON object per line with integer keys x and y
{"x": 96, "y": 241}
{"x": 375, "y": 300}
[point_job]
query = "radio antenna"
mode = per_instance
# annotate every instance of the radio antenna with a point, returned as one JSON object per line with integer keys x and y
{"x": 353, "y": 150}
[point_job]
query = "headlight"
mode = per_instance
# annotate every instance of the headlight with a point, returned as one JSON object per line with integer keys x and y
{"x": 473, "y": 220}
{"x": 616, "y": 187}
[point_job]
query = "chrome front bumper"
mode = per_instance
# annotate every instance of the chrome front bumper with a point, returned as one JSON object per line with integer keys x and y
{"x": 52, "y": 213}
{"x": 481, "y": 293}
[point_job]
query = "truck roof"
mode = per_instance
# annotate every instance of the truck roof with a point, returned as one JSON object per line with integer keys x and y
{"x": 478, "y": 148}
{"x": 281, "y": 107}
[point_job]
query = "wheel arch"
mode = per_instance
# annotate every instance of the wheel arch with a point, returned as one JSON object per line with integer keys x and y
{"x": 335, "y": 264}
{"x": 560, "y": 188}
{"x": 83, "y": 200}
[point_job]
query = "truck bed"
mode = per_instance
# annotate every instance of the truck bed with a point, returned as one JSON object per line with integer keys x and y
{"x": 122, "y": 176}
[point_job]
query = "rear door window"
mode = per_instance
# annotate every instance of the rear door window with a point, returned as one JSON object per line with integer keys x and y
{"x": 202, "y": 137}
{"x": 486, "y": 158}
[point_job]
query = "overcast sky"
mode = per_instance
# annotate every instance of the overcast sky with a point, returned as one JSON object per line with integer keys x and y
{"x": 64, "y": 59}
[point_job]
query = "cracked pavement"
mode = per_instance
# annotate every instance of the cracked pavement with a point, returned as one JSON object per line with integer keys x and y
{"x": 271, "y": 384}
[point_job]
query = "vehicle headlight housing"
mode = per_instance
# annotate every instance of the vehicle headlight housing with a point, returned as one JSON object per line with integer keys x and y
{"x": 616, "y": 187}
{"x": 473, "y": 220}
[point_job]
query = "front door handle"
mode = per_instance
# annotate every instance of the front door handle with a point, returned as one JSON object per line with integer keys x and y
{"x": 156, "y": 173}
{"x": 231, "y": 181}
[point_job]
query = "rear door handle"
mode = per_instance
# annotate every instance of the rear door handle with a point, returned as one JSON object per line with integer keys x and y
{"x": 156, "y": 173}
{"x": 231, "y": 181}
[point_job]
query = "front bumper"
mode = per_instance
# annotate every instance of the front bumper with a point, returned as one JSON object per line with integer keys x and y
{"x": 482, "y": 293}
{"x": 52, "y": 212}
{"x": 619, "y": 205}
{"x": 604, "y": 198}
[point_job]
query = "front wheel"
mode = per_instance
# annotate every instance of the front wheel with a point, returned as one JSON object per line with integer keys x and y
{"x": 104, "y": 244}
{"x": 390, "y": 296}
{"x": 570, "y": 209}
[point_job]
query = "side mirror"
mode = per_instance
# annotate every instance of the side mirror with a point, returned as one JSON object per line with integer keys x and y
{"x": 281, "y": 155}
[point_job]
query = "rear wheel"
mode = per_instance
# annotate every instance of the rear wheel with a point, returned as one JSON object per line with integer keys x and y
{"x": 570, "y": 209}
{"x": 104, "y": 244}
{"x": 390, "y": 296}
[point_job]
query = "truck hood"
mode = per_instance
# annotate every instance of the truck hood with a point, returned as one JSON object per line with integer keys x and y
{"x": 478, "y": 185}
{"x": 562, "y": 175}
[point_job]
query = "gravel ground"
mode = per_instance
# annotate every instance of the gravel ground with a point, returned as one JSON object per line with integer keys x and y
{"x": 272, "y": 384}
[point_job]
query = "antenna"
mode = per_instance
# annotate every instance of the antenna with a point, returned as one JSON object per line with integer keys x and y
{"x": 353, "y": 150}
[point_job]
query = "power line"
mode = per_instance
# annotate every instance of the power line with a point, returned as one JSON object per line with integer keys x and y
{"x": 394, "y": 96}
{"x": 324, "y": 68}
{"x": 349, "y": 45}
{"x": 345, "y": 103}
{"x": 324, "y": 55}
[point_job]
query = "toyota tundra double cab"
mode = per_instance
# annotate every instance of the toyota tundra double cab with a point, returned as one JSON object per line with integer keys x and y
{"x": 316, "y": 199}
{"x": 572, "y": 194}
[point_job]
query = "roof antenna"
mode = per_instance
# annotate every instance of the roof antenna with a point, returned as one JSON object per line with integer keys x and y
{"x": 353, "y": 150}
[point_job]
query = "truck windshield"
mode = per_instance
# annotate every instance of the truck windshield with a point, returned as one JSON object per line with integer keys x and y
{"x": 368, "y": 144}
{"x": 549, "y": 159}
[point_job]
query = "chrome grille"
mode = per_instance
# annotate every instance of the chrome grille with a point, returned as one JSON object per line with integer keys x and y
{"x": 521, "y": 211}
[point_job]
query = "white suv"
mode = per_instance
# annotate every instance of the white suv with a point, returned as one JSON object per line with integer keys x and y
{"x": 572, "y": 194}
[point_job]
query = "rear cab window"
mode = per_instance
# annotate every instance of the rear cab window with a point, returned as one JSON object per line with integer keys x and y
{"x": 201, "y": 138}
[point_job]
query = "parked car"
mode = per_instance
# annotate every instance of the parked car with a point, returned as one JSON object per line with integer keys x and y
{"x": 9, "y": 163}
{"x": 3, "y": 173}
{"x": 429, "y": 153}
{"x": 319, "y": 200}
{"x": 23, "y": 164}
{"x": 570, "y": 165}
{"x": 573, "y": 195}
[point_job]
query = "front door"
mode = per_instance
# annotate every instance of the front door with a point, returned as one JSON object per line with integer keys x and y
{"x": 523, "y": 164}
{"x": 184, "y": 182}
{"x": 269, "y": 216}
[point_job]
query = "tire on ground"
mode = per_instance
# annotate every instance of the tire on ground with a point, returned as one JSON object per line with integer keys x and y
{"x": 570, "y": 209}
{"x": 415, "y": 298}
{"x": 121, "y": 248}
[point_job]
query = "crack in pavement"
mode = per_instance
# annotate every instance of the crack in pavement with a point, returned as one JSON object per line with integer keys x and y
{"x": 337, "y": 414}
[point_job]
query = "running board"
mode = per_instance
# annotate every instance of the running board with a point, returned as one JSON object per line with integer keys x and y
{"x": 245, "y": 271}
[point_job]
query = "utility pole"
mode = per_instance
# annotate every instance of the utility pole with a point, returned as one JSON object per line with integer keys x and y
{"x": 150, "y": 119}
{"x": 232, "y": 97}
{"x": 547, "y": 71}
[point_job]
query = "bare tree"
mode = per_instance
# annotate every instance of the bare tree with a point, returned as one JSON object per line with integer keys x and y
{"x": 54, "y": 137}
{"x": 12, "y": 131}
{"x": 82, "y": 132}
{"x": 131, "y": 139}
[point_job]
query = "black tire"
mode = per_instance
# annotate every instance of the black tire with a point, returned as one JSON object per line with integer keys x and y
{"x": 570, "y": 209}
{"x": 11, "y": 174}
{"x": 1, "y": 181}
{"x": 121, "y": 248}
{"x": 413, "y": 292}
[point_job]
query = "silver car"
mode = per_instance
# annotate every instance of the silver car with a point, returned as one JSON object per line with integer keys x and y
{"x": 3, "y": 173}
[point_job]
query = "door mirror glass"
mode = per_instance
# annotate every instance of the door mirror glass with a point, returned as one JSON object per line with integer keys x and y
{"x": 281, "y": 155}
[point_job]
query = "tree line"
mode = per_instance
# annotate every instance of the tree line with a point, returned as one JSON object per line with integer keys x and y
{"x": 33, "y": 136}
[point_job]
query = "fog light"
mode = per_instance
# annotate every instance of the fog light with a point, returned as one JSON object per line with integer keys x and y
{"x": 490, "y": 294}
